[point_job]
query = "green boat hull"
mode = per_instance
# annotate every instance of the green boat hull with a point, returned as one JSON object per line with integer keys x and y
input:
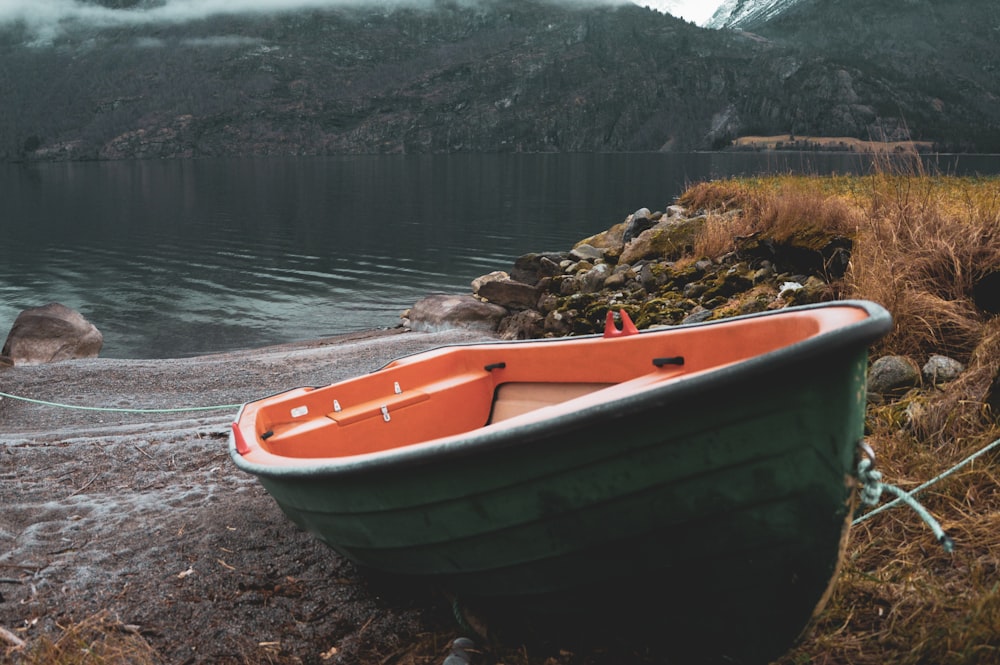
{"x": 715, "y": 513}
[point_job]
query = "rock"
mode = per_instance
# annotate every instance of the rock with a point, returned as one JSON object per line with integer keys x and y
{"x": 508, "y": 293}
{"x": 611, "y": 241}
{"x": 728, "y": 283}
{"x": 668, "y": 239}
{"x": 593, "y": 279}
{"x": 445, "y": 312}
{"x": 941, "y": 369}
{"x": 526, "y": 324}
{"x": 547, "y": 302}
{"x": 570, "y": 285}
{"x": 648, "y": 277}
{"x": 495, "y": 276}
{"x": 530, "y": 268}
{"x": 51, "y": 333}
{"x": 814, "y": 290}
{"x": 619, "y": 278}
{"x": 697, "y": 315}
{"x": 459, "y": 654}
{"x": 559, "y": 323}
{"x": 637, "y": 222}
{"x": 892, "y": 373}
{"x": 764, "y": 273}
{"x": 694, "y": 290}
{"x": 585, "y": 252}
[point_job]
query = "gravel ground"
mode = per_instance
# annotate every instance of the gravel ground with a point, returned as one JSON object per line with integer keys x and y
{"x": 143, "y": 518}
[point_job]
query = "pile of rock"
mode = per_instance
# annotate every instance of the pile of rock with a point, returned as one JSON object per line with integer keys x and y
{"x": 647, "y": 266}
{"x": 643, "y": 265}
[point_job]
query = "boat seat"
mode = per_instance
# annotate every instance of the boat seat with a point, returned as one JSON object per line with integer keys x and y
{"x": 513, "y": 399}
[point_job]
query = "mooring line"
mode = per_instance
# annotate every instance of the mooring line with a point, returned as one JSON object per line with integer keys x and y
{"x": 907, "y": 497}
{"x": 60, "y": 405}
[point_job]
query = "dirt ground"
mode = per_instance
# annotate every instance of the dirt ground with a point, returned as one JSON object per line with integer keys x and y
{"x": 145, "y": 518}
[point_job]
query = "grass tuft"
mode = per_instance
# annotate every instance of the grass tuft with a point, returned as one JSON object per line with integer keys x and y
{"x": 97, "y": 640}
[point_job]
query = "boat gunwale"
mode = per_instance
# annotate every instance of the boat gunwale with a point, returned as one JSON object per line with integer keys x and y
{"x": 863, "y": 331}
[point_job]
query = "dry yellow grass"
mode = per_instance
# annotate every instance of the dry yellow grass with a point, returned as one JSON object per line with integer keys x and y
{"x": 921, "y": 243}
{"x": 96, "y": 640}
{"x": 839, "y": 143}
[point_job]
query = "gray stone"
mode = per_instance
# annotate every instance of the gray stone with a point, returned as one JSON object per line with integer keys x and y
{"x": 586, "y": 252}
{"x": 892, "y": 373}
{"x": 668, "y": 239}
{"x": 941, "y": 369}
{"x": 638, "y": 222}
{"x": 570, "y": 285}
{"x": 593, "y": 279}
{"x": 559, "y": 323}
{"x": 526, "y": 324}
{"x": 694, "y": 290}
{"x": 529, "y": 268}
{"x": 697, "y": 315}
{"x": 447, "y": 312}
{"x": 51, "y": 333}
{"x": 495, "y": 276}
{"x": 509, "y": 293}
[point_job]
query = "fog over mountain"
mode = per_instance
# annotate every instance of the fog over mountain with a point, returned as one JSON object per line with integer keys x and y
{"x": 114, "y": 79}
{"x": 46, "y": 19}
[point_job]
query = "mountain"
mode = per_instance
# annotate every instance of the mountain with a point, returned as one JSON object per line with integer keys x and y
{"x": 935, "y": 65}
{"x": 740, "y": 13}
{"x": 492, "y": 75}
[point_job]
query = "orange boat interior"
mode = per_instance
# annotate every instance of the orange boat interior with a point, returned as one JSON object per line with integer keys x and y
{"x": 455, "y": 390}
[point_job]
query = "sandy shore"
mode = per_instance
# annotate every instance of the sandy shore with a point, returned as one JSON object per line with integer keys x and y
{"x": 143, "y": 516}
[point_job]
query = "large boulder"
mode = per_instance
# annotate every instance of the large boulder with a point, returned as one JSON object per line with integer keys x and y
{"x": 51, "y": 333}
{"x": 446, "y": 312}
{"x": 508, "y": 293}
{"x": 669, "y": 239}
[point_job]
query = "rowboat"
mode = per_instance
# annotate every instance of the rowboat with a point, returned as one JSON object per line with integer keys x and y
{"x": 695, "y": 480}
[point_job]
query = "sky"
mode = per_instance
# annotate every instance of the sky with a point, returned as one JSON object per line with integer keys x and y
{"x": 45, "y": 16}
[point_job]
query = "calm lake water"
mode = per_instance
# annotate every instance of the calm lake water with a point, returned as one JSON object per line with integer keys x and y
{"x": 179, "y": 258}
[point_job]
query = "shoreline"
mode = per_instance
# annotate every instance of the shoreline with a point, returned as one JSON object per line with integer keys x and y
{"x": 227, "y": 378}
{"x": 139, "y": 525}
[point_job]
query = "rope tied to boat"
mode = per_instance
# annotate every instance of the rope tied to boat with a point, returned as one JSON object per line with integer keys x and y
{"x": 872, "y": 487}
{"x": 107, "y": 409}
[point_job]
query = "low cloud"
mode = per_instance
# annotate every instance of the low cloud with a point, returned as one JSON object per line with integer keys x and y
{"x": 45, "y": 20}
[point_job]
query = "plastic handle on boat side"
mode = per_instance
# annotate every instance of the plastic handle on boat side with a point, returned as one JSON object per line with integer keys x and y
{"x": 241, "y": 445}
{"x": 611, "y": 330}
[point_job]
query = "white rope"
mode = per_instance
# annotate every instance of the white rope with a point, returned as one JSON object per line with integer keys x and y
{"x": 872, "y": 487}
{"x": 120, "y": 410}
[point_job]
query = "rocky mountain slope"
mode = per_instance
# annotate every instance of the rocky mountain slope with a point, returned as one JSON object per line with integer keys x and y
{"x": 500, "y": 75}
{"x": 737, "y": 13}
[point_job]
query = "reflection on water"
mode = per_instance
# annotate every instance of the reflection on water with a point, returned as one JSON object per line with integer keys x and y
{"x": 179, "y": 258}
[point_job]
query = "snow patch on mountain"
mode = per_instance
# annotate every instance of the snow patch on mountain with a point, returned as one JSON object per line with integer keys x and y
{"x": 740, "y": 13}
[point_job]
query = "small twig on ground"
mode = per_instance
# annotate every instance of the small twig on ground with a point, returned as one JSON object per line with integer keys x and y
{"x": 86, "y": 484}
{"x": 10, "y": 638}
